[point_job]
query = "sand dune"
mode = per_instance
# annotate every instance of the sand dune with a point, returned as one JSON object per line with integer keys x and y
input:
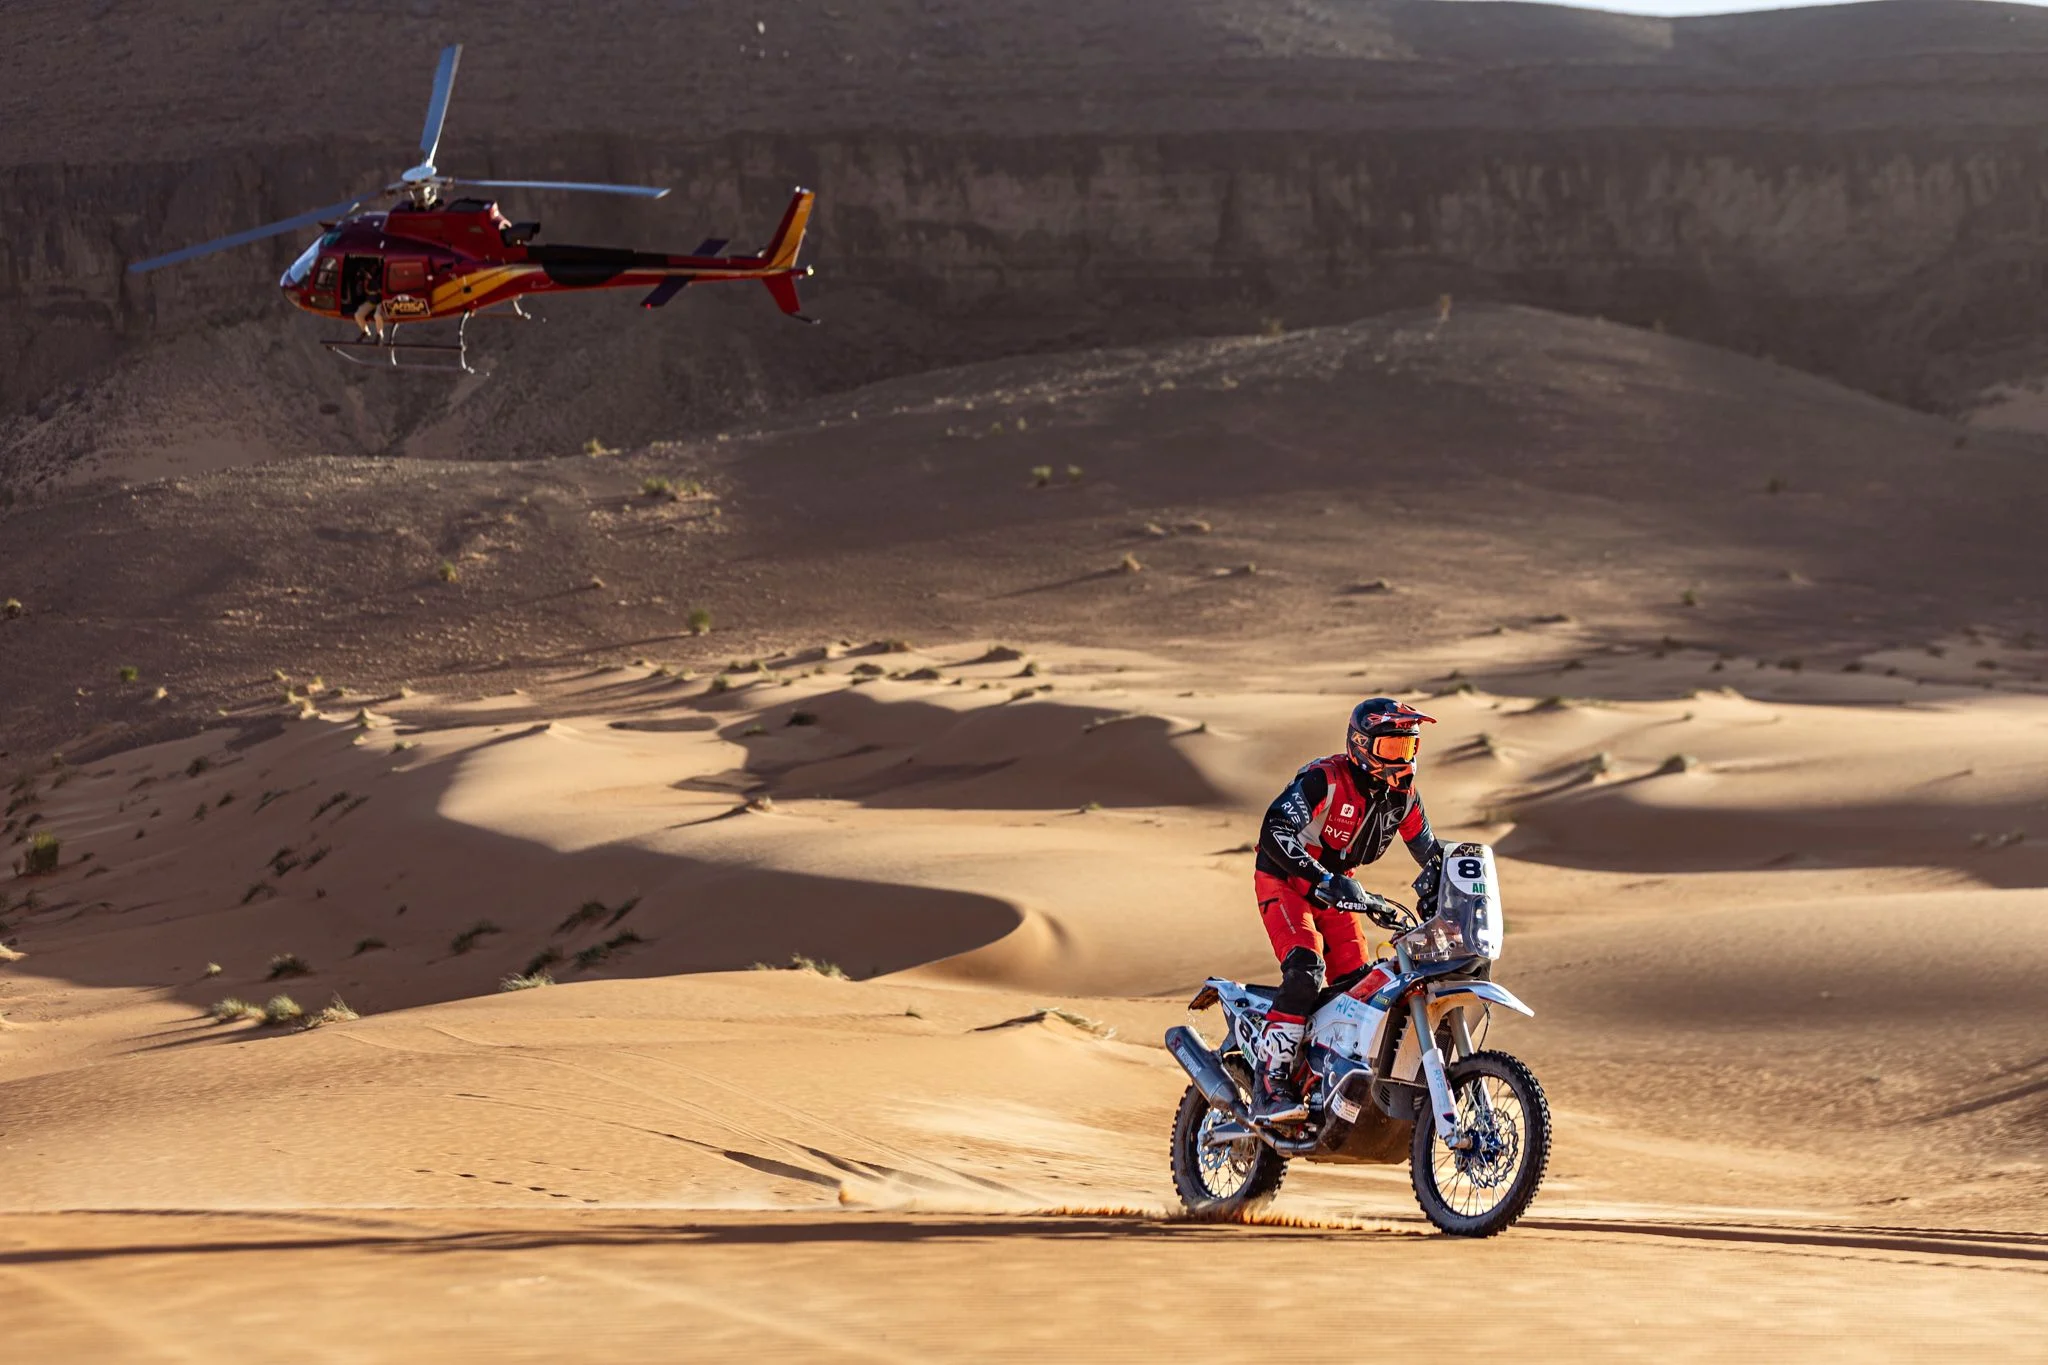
{"x": 1767, "y": 793}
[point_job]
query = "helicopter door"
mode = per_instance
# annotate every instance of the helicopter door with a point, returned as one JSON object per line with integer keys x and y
{"x": 362, "y": 278}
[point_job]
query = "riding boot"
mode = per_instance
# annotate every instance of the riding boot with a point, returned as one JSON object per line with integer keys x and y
{"x": 1275, "y": 1096}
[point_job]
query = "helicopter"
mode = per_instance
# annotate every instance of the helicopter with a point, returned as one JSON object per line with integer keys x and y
{"x": 429, "y": 257}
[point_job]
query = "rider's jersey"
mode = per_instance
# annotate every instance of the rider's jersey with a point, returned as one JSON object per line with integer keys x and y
{"x": 1327, "y": 822}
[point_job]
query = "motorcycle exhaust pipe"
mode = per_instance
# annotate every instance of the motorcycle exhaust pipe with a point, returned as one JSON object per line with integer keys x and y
{"x": 1207, "y": 1073}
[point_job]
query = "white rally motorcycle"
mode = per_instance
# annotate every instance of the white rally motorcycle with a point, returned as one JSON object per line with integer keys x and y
{"x": 1391, "y": 1072}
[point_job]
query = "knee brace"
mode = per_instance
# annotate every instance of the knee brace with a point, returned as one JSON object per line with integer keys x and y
{"x": 1301, "y": 980}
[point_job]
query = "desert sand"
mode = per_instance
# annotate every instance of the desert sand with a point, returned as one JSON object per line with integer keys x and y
{"x": 690, "y": 840}
{"x": 1789, "y": 993}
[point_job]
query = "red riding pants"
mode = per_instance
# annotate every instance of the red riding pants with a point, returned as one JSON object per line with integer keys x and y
{"x": 1293, "y": 921}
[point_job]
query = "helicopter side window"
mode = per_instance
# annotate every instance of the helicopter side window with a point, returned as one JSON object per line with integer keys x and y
{"x": 324, "y": 273}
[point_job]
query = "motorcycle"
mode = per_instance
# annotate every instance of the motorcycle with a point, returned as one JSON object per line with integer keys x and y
{"x": 1391, "y": 1071}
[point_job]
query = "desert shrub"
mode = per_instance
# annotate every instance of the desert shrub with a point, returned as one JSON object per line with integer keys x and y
{"x": 1130, "y": 564}
{"x": 721, "y": 683}
{"x": 1041, "y": 476}
{"x": 467, "y": 939}
{"x": 258, "y": 889}
{"x": 336, "y": 1011}
{"x": 288, "y": 964}
{"x": 656, "y": 486}
{"x": 1079, "y": 1021}
{"x": 590, "y": 912}
{"x": 128, "y": 673}
{"x": 329, "y": 804}
{"x": 1678, "y": 763}
{"x": 368, "y": 945}
{"x": 44, "y": 851}
{"x": 699, "y": 621}
{"x": 281, "y": 1009}
{"x": 526, "y": 981}
{"x": 599, "y": 952}
{"x": 11, "y": 608}
{"x": 213, "y": 969}
{"x": 802, "y": 718}
{"x": 800, "y": 963}
{"x": 234, "y": 1007}
{"x": 198, "y": 766}
{"x": 447, "y": 572}
{"x": 1272, "y": 327}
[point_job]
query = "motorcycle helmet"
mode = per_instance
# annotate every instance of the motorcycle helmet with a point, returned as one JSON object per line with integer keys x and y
{"x": 1383, "y": 738}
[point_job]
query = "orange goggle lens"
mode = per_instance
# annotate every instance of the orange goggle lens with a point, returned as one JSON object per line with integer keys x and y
{"x": 1395, "y": 748}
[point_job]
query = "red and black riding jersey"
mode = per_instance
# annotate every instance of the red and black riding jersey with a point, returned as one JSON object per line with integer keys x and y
{"x": 1328, "y": 822}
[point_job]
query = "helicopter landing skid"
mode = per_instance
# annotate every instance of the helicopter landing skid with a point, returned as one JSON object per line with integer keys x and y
{"x": 448, "y": 357}
{"x": 386, "y": 355}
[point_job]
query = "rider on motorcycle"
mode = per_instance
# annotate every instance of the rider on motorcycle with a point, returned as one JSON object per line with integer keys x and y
{"x": 1338, "y": 813}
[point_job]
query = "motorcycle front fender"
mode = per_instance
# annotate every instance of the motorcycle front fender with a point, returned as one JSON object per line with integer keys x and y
{"x": 1455, "y": 993}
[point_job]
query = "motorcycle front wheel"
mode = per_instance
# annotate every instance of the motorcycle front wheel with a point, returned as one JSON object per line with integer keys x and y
{"x": 1220, "y": 1180}
{"x": 1484, "y": 1189}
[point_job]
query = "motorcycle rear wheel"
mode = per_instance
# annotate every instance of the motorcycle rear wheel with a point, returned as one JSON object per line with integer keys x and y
{"x": 1220, "y": 1182}
{"x": 1484, "y": 1192}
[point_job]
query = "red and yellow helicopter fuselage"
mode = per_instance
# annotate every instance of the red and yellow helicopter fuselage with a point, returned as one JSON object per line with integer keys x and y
{"x": 451, "y": 260}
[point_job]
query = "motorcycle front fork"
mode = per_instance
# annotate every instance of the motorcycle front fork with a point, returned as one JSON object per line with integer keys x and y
{"x": 1442, "y": 1102}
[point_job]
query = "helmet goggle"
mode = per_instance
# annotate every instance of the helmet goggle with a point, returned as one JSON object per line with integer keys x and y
{"x": 1395, "y": 748}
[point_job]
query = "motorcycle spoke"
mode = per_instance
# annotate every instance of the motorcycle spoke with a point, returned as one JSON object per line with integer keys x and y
{"x": 1225, "y": 1168}
{"x": 1475, "y": 1181}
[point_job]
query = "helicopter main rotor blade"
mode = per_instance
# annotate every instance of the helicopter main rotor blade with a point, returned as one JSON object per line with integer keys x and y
{"x": 310, "y": 218}
{"x": 437, "y": 107}
{"x": 643, "y": 191}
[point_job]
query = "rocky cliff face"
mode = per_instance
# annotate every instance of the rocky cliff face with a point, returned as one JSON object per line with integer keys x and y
{"x": 1868, "y": 209}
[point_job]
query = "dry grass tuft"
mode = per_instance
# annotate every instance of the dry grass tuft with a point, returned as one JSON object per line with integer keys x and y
{"x": 234, "y": 1007}
{"x": 288, "y": 964}
{"x": 8, "y": 954}
{"x": 800, "y": 963}
{"x": 336, "y": 1011}
{"x": 368, "y": 945}
{"x": 526, "y": 981}
{"x": 281, "y": 1009}
{"x": 44, "y": 852}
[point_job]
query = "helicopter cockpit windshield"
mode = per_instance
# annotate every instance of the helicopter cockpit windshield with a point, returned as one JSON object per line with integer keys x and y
{"x": 295, "y": 275}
